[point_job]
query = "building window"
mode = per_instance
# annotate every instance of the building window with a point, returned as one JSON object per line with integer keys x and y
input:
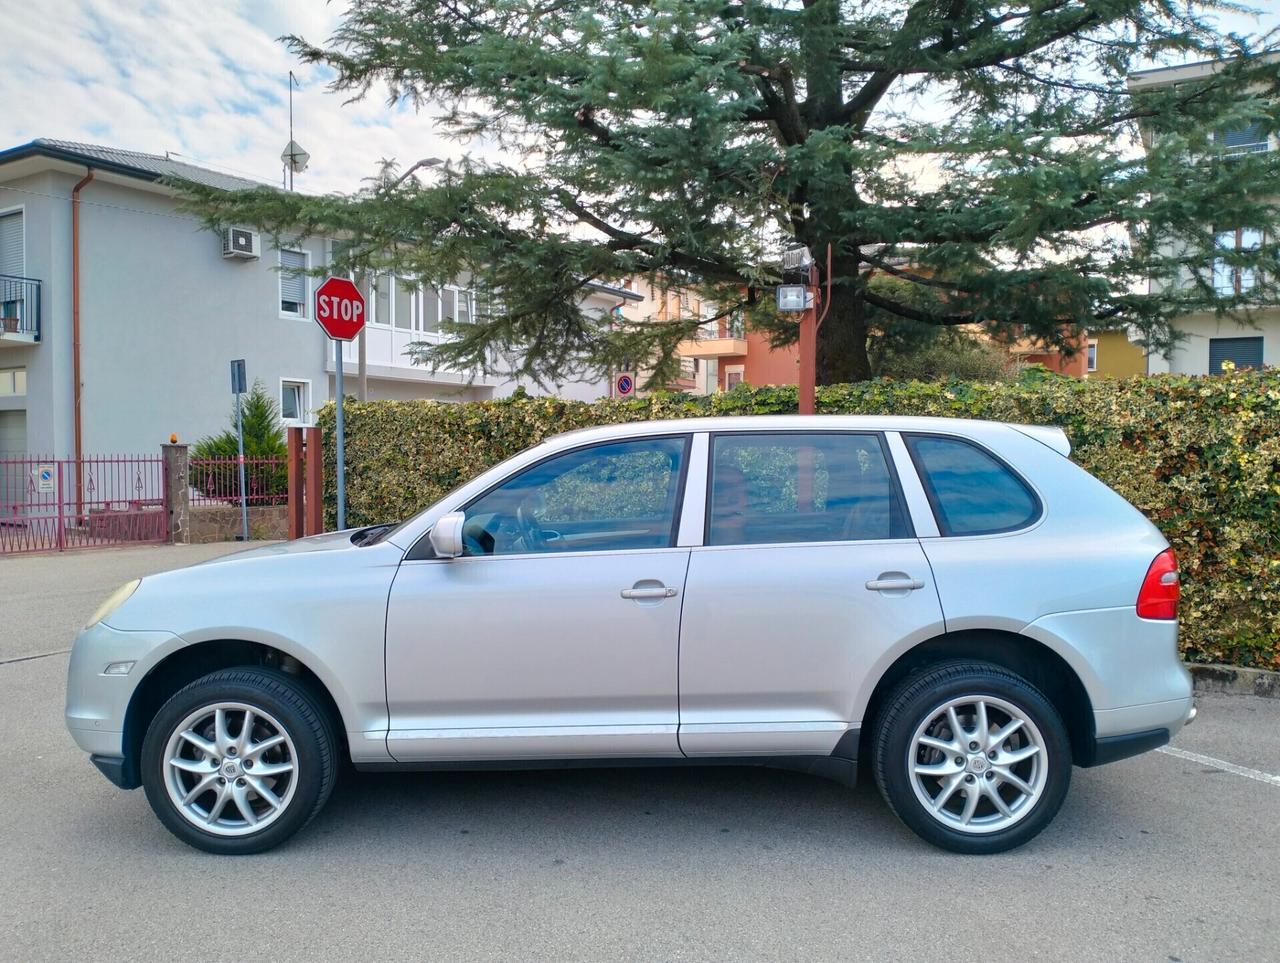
{"x": 1240, "y": 352}
{"x": 295, "y": 402}
{"x": 1228, "y": 279}
{"x": 688, "y": 369}
{"x": 1242, "y": 139}
{"x": 13, "y": 381}
{"x": 293, "y": 283}
{"x": 1092, "y": 357}
{"x": 733, "y": 376}
{"x": 455, "y": 305}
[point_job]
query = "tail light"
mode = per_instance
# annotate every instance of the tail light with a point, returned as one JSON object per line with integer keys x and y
{"x": 1158, "y": 597}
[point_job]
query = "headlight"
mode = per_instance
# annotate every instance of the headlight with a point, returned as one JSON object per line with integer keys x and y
{"x": 113, "y": 602}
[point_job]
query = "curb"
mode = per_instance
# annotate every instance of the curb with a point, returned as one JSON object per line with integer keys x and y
{"x": 1236, "y": 681}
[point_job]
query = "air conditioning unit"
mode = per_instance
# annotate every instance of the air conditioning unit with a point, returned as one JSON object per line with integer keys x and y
{"x": 238, "y": 242}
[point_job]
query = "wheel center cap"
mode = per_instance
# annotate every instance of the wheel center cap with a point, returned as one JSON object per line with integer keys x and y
{"x": 231, "y": 769}
{"x": 977, "y": 763}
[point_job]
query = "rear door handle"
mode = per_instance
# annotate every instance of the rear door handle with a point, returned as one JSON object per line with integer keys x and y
{"x": 894, "y": 584}
{"x": 649, "y": 592}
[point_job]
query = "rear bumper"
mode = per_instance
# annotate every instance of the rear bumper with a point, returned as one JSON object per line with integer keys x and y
{"x": 118, "y": 770}
{"x": 1112, "y": 748}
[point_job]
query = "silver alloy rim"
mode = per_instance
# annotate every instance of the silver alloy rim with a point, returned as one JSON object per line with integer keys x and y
{"x": 978, "y": 764}
{"x": 230, "y": 769}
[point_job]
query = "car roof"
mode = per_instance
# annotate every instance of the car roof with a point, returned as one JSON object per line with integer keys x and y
{"x": 1051, "y": 437}
{"x": 785, "y": 423}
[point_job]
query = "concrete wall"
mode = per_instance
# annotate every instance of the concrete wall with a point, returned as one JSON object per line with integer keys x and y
{"x": 163, "y": 314}
{"x": 1192, "y": 356}
{"x": 47, "y": 227}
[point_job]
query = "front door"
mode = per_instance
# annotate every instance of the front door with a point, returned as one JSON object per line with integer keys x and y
{"x": 808, "y": 573}
{"x": 556, "y": 634}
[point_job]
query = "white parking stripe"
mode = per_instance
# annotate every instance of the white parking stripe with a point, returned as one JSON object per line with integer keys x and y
{"x": 1255, "y": 774}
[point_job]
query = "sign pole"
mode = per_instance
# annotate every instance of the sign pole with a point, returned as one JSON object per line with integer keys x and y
{"x": 237, "y": 388}
{"x": 341, "y": 447}
{"x": 244, "y": 503}
{"x": 809, "y": 352}
{"x": 340, "y": 314}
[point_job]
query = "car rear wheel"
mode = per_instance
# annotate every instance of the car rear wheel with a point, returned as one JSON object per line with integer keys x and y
{"x": 972, "y": 757}
{"x": 239, "y": 760}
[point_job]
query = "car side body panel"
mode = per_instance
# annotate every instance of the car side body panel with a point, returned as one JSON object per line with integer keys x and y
{"x": 326, "y": 607}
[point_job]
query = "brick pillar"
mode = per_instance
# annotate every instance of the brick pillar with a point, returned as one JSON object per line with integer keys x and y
{"x": 177, "y": 493}
{"x": 296, "y": 493}
{"x": 314, "y": 500}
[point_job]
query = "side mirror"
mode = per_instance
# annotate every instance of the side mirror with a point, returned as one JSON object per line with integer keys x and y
{"x": 446, "y": 535}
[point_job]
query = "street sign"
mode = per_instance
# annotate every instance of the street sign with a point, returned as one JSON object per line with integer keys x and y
{"x": 44, "y": 479}
{"x": 237, "y": 377}
{"x": 625, "y": 386}
{"x": 339, "y": 309}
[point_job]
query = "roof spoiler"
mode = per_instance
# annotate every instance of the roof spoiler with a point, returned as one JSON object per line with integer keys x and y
{"x": 1047, "y": 435}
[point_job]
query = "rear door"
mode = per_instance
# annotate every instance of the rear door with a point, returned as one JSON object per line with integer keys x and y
{"x": 808, "y": 573}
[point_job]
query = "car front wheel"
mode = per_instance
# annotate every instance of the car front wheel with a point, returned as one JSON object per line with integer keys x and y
{"x": 238, "y": 761}
{"x": 972, "y": 757}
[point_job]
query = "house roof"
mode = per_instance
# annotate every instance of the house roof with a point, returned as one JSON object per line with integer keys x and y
{"x": 131, "y": 163}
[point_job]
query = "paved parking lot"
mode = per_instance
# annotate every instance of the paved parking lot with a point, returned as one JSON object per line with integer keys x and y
{"x": 1164, "y": 858}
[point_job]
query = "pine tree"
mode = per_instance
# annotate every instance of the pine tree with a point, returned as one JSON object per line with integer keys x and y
{"x": 984, "y": 155}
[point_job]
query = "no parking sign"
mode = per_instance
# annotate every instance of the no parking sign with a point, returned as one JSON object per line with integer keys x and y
{"x": 44, "y": 478}
{"x": 625, "y": 386}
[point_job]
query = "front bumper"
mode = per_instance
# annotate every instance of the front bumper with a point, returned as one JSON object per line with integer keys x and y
{"x": 97, "y": 703}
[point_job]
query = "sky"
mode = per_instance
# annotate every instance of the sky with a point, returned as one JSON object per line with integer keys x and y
{"x": 205, "y": 80}
{"x": 208, "y": 81}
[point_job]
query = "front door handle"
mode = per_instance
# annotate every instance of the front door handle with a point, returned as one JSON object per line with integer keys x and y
{"x": 894, "y": 582}
{"x": 648, "y": 592}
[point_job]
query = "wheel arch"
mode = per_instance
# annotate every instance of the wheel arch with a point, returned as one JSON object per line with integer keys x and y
{"x": 1036, "y": 662}
{"x": 186, "y": 664}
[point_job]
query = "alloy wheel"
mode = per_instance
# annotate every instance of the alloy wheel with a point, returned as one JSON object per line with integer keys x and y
{"x": 978, "y": 764}
{"x": 230, "y": 768}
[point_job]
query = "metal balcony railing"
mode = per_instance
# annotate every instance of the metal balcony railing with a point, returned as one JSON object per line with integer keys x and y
{"x": 19, "y": 305}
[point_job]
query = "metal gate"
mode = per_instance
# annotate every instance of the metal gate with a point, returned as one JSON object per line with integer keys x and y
{"x": 51, "y": 504}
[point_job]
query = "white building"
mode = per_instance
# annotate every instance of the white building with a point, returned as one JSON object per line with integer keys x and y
{"x": 162, "y": 311}
{"x": 1211, "y": 340}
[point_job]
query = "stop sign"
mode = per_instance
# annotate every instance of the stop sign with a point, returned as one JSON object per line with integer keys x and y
{"x": 339, "y": 309}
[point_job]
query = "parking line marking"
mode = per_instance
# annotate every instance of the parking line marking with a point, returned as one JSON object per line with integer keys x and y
{"x": 28, "y": 658}
{"x": 1255, "y": 774}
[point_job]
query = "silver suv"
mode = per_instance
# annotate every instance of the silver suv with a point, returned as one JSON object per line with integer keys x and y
{"x": 954, "y": 605}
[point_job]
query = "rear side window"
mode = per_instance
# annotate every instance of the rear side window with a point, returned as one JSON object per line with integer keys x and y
{"x": 972, "y": 492}
{"x": 794, "y": 487}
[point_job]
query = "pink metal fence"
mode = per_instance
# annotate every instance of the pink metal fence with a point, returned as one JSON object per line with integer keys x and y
{"x": 61, "y": 503}
{"x": 216, "y": 481}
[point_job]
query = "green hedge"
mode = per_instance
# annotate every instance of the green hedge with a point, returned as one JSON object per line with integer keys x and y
{"x": 1200, "y": 456}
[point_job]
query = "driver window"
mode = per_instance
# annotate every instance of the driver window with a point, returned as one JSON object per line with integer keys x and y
{"x": 618, "y": 496}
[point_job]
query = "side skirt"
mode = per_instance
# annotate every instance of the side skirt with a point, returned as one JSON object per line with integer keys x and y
{"x": 841, "y": 766}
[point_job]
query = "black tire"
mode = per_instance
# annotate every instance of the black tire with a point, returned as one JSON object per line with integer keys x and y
{"x": 280, "y": 695}
{"x": 916, "y": 700}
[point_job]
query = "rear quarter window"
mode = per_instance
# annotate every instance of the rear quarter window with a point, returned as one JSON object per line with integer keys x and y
{"x": 972, "y": 492}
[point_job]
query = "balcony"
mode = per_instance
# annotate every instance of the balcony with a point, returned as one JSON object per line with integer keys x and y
{"x": 714, "y": 341}
{"x": 386, "y": 358}
{"x": 19, "y": 311}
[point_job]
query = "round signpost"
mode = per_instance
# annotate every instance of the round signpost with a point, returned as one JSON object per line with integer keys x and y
{"x": 340, "y": 314}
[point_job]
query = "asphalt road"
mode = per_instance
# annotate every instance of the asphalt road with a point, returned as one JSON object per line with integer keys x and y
{"x": 1161, "y": 858}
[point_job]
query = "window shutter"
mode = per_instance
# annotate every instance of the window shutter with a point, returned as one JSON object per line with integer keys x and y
{"x": 293, "y": 285}
{"x": 1242, "y": 352}
{"x": 12, "y": 260}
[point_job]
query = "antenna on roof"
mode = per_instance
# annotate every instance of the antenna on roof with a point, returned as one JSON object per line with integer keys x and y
{"x": 293, "y": 156}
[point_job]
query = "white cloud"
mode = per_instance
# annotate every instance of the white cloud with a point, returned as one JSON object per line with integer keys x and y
{"x": 206, "y": 81}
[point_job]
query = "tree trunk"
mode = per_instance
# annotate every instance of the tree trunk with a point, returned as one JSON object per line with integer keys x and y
{"x": 842, "y": 339}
